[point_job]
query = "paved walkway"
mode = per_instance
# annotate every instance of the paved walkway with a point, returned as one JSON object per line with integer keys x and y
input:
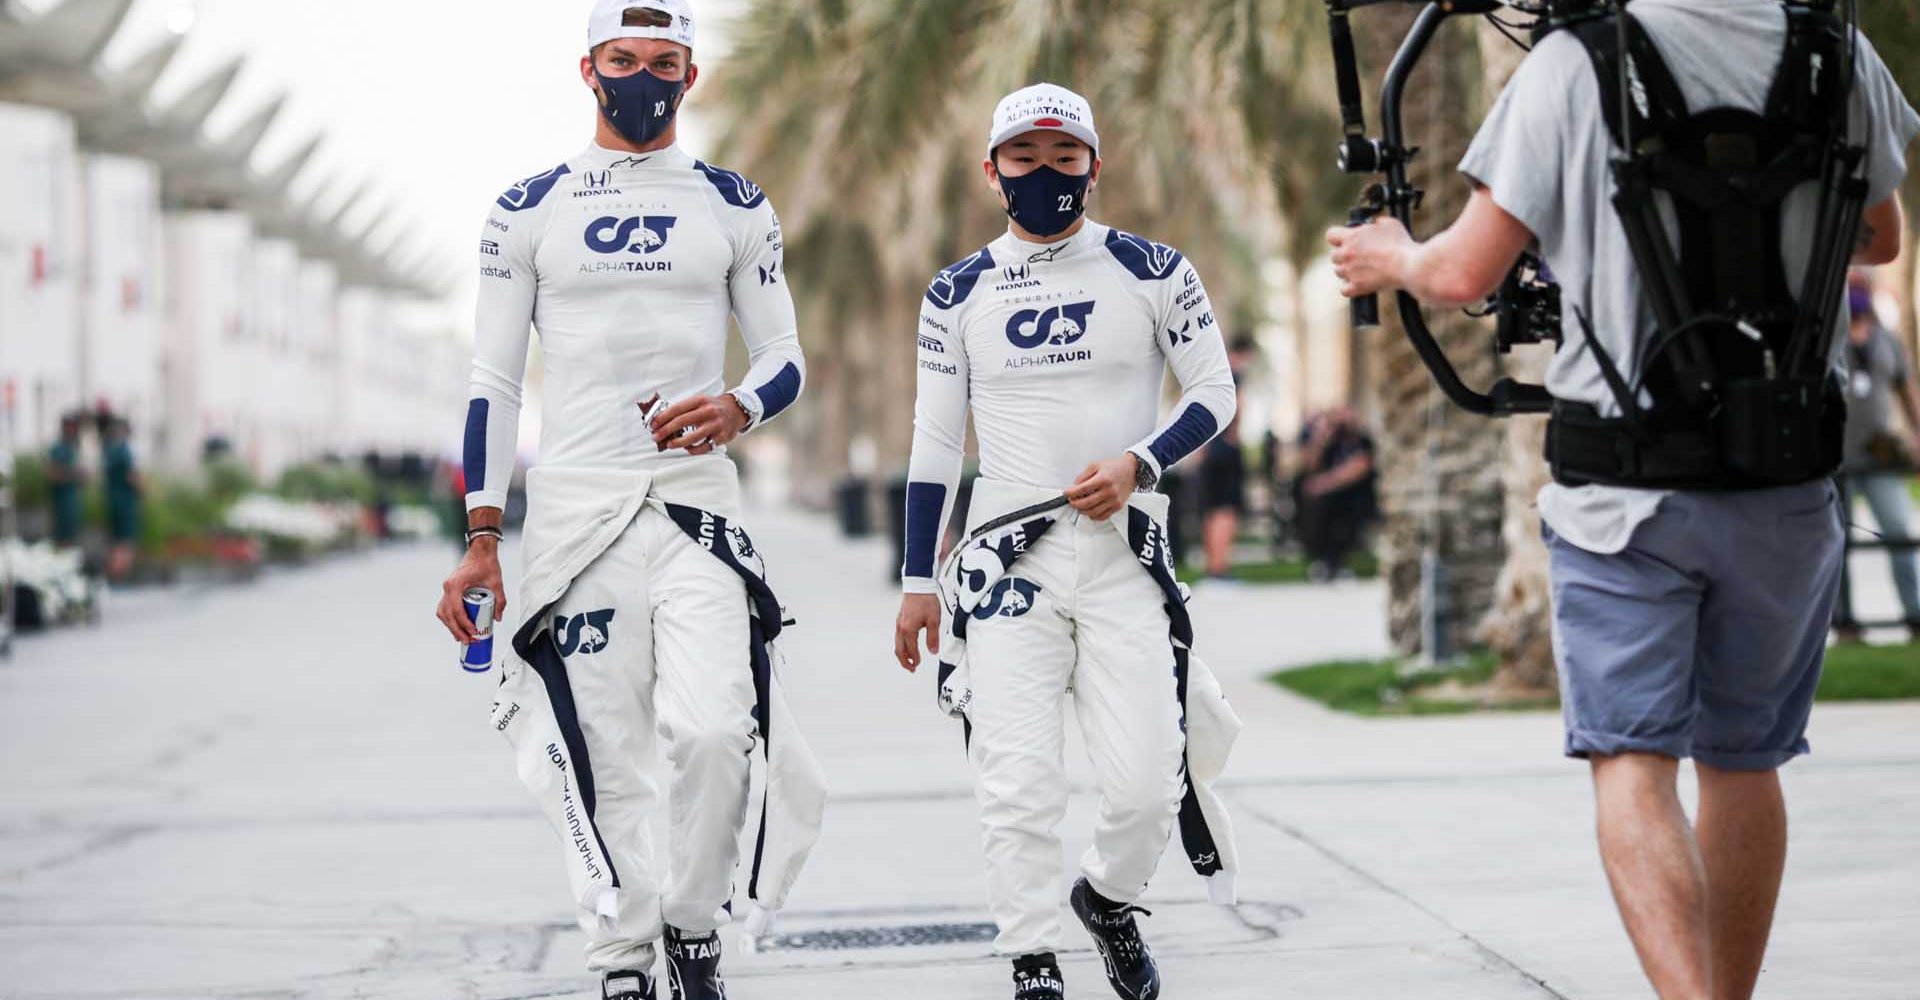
{"x": 289, "y": 791}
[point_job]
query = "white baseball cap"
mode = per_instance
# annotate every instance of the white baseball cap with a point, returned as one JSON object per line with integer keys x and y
{"x": 1042, "y": 106}
{"x": 668, "y": 19}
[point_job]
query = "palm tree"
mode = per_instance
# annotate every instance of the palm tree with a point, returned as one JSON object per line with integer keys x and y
{"x": 1440, "y": 480}
{"x": 877, "y": 171}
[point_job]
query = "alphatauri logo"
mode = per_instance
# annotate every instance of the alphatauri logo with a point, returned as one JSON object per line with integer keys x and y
{"x": 1010, "y": 598}
{"x": 585, "y": 634}
{"x": 1056, "y": 327}
{"x": 644, "y": 234}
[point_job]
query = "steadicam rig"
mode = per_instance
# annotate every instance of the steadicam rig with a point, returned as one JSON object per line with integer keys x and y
{"x": 1528, "y": 303}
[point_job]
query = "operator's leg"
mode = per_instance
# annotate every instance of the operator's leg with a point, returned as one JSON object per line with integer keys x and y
{"x": 1763, "y": 632}
{"x": 1891, "y": 505}
{"x": 600, "y": 627}
{"x": 704, "y": 699}
{"x": 1020, "y": 655}
{"x": 1125, "y": 694}
{"x": 1625, "y": 631}
{"x": 1743, "y": 842}
{"x": 1654, "y": 867}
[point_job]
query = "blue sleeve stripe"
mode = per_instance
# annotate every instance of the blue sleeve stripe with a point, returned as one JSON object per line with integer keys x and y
{"x": 779, "y": 392}
{"x": 1195, "y": 427}
{"x": 925, "y": 503}
{"x": 474, "y": 453}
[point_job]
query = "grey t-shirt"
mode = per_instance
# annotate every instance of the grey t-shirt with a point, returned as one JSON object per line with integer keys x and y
{"x": 1544, "y": 152}
{"x": 1873, "y": 369}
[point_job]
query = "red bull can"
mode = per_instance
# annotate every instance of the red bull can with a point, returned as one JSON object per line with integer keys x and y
{"x": 477, "y": 656}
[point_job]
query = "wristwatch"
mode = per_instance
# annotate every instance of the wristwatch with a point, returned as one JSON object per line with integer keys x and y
{"x": 749, "y": 405}
{"x": 1144, "y": 478}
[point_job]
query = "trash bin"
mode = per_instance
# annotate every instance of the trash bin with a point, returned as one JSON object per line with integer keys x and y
{"x": 856, "y": 521}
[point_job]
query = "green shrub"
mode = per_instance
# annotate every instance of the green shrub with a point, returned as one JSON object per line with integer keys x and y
{"x": 31, "y": 487}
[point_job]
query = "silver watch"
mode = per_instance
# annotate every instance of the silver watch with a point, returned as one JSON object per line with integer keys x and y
{"x": 750, "y": 405}
{"x": 1144, "y": 478}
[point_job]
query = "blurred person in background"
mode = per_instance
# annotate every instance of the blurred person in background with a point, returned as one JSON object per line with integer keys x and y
{"x": 1880, "y": 458}
{"x": 1334, "y": 490}
{"x": 629, "y": 258}
{"x": 1056, "y": 338}
{"x": 124, "y": 486}
{"x": 67, "y": 481}
{"x": 1223, "y": 474}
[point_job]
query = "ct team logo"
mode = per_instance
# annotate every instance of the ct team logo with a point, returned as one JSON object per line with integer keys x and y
{"x": 1011, "y": 598}
{"x": 585, "y": 634}
{"x": 646, "y": 234}
{"x": 1057, "y": 326}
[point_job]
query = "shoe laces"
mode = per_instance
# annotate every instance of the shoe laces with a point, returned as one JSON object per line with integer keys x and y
{"x": 1123, "y": 933}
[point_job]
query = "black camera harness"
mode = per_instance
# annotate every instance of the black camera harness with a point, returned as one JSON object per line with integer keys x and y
{"x": 1736, "y": 390}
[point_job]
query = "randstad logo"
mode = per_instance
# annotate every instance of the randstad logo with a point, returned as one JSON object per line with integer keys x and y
{"x": 586, "y": 634}
{"x": 1058, "y": 326}
{"x": 634, "y": 235}
{"x": 1010, "y": 598}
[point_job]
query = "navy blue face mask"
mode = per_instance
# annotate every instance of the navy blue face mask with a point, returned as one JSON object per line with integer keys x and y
{"x": 640, "y": 106}
{"x": 1046, "y": 202}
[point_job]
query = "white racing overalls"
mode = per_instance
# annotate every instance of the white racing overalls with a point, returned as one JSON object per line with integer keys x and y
{"x": 1054, "y": 606}
{"x": 651, "y": 614}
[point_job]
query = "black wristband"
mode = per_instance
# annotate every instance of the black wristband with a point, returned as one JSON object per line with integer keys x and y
{"x": 485, "y": 532}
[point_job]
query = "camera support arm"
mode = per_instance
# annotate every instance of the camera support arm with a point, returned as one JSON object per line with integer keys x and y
{"x": 1389, "y": 156}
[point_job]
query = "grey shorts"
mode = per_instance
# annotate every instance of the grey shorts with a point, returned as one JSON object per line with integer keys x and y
{"x": 1705, "y": 636}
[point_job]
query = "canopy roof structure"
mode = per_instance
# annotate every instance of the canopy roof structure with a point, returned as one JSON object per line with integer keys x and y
{"x": 53, "y": 61}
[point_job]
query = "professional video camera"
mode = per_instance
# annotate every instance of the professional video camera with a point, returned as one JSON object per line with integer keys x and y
{"x": 1695, "y": 317}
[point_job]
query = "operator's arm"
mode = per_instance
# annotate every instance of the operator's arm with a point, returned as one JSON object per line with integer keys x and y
{"x": 764, "y": 309}
{"x": 1458, "y": 267}
{"x": 939, "y": 443}
{"x": 1190, "y": 338}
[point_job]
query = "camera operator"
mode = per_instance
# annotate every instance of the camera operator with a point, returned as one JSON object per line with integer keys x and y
{"x": 1687, "y": 622}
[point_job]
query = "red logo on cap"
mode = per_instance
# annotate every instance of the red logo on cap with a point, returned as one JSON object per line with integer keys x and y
{"x": 1049, "y": 122}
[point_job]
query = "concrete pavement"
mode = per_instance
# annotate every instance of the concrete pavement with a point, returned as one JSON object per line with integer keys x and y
{"x": 289, "y": 791}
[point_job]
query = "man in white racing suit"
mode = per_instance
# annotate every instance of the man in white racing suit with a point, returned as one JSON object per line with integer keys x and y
{"x": 629, "y": 258}
{"x": 1057, "y": 337}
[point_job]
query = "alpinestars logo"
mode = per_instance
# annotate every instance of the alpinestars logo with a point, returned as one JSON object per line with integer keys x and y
{"x": 1010, "y": 598}
{"x": 585, "y": 634}
{"x": 1057, "y": 326}
{"x": 743, "y": 551}
{"x": 1047, "y": 256}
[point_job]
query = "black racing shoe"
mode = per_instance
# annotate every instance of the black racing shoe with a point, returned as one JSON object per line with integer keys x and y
{"x": 693, "y": 965}
{"x": 627, "y": 984}
{"x": 1130, "y": 966}
{"x": 1037, "y": 977}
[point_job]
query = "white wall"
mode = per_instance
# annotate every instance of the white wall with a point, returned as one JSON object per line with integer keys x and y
{"x": 40, "y": 267}
{"x": 122, "y": 295}
{"x": 208, "y": 361}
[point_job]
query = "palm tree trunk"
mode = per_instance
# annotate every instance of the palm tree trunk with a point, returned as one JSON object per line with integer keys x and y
{"x": 1440, "y": 469}
{"x": 1518, "y": 628}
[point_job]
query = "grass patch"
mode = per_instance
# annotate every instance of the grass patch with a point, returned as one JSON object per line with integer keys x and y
{"x": 1361, "y": 564}
{"x": 1870, "y": 673}
{"x": 1386, "y": 687}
